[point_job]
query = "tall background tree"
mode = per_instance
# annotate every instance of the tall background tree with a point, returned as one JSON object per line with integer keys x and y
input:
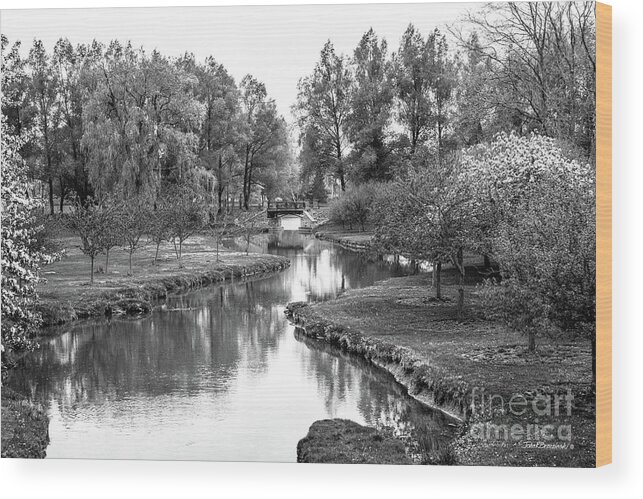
{"x": 141, "y": 123}
{"x": 323, "y": 104}
{"x": 265, "y": 132}
{"x": 371, "y": 103}
{"x": 43, "y": 92}
{"x": 543, "y": 64}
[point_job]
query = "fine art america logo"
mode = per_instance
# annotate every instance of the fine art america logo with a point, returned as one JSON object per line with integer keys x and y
{"x": 532, "y": 419}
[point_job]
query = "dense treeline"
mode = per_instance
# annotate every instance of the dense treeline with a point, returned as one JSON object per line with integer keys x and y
{"x": 513, "y": 68}
{"x": 146, "y": 148}
{"x": 113, "y": 121}
{"x": 484, "y": 148}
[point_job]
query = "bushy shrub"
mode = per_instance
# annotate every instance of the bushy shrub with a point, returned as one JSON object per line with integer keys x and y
{"x": 355, "y": 206}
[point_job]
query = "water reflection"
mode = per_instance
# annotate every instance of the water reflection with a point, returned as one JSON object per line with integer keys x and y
{"x": 219, "y": 373}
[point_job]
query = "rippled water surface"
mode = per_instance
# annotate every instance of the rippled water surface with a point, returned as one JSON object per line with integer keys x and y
{"x": 219, "y": 373}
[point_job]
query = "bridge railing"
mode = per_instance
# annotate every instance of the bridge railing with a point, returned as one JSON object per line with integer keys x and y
{"x": 286, "y": 205}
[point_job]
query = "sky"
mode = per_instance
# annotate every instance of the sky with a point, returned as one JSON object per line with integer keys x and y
{"x": 277, "y": 44}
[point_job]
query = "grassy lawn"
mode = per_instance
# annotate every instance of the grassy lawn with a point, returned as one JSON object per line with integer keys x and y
{"x": 67, "y": 293}
{"x": 450, "y": 358}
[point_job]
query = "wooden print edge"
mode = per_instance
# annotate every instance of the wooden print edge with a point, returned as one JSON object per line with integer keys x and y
{"x": 603, "y": 234}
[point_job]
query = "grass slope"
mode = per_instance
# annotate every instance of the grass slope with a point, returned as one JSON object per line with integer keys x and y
{"x": 441, "y": 360}
{"x": 67, "y": 294}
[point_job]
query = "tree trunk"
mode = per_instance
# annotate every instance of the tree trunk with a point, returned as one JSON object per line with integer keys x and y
{"x": 156, "y": 255}
{"x": 106, "y": 260}
{"x": 130, "y": 262}
{"x": 532, "y": 340}
{"x": 51, "y": 195}
{"x": 62, "y": 195}
{"x": 458, "y": 261}
{"x": 435, "y": 263}
{"x": 437, "y": 274}
{"x": 340, "y": 165}
{"x": 245, "y": 188}
{"x": 220, "y": 185}
{"x": 220, "y": 200}
{"x": 91, "y": 274}
{"x": 487, "y": 262}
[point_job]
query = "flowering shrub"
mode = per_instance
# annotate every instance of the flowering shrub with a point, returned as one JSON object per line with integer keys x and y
{"x": 21, "y": 259}
{"x": 537, "y": 213}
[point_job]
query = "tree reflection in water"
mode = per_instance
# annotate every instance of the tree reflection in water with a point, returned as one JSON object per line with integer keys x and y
{"x": 218, "y": 373}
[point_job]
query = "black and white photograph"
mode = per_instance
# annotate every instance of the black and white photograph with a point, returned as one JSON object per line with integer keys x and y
{"x": 348, "y": 234}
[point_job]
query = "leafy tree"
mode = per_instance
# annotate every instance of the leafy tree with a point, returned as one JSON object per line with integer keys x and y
{"x": 371, "y": 102}
{"x": 220, "y": 225}
{"x": 543, "y": 59}
{"x": 442, "y": 80}
{"x": 187, "y": 214}
{"x": 537, "y": 217}
{"x": 140, "y": 123}
{"x": 75, "y": 71}
{"x": 266, "y": 132}
{"x": 91, "y": 223}
{"x": 43, "y": 92}
{"x": 315, "y": 165}
{"x": 223, "y": 125}
{"x": 323, "y": 104}
{"x": 246, "y": 226}
{"x": 16, "y": 104}
{"x": 413, "y": 84}
{"x": 428, "y": 216}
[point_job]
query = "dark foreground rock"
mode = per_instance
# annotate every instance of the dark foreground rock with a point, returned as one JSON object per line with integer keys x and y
{"x": 342, "y": 441}
{"x": 25, "y": 427}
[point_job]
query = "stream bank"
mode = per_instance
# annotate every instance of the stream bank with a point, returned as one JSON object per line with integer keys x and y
{"x": 66, "y": 296}
{"x": 354, "y": 240}
{"x": 444, "y": 363}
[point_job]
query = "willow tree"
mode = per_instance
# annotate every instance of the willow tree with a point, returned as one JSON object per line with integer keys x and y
{"x": 140, "y": 123}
